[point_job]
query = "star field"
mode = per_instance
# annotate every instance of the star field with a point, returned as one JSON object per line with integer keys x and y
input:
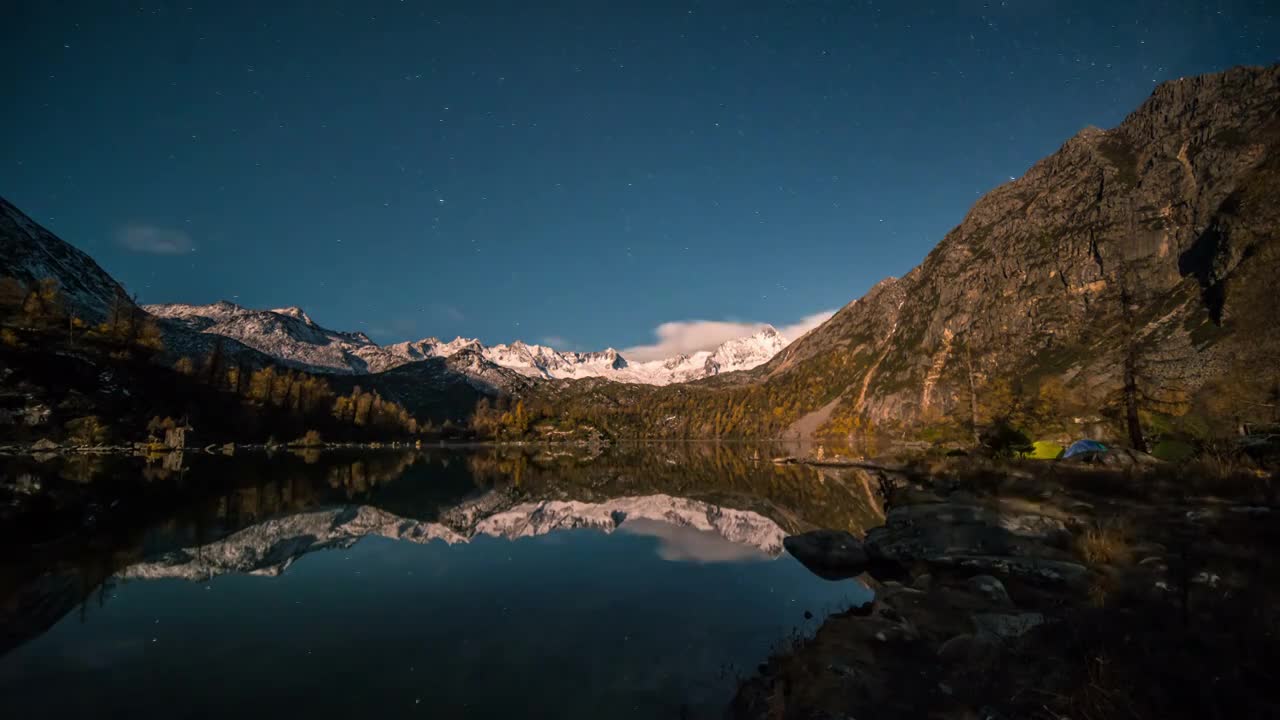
{"x": 586, "y": 173}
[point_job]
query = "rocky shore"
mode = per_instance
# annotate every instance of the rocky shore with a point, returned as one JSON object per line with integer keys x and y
{"x": 1044, "y": 590}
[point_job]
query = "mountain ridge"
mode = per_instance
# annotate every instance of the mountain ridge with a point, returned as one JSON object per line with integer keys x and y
{"x": 289, "y": 334}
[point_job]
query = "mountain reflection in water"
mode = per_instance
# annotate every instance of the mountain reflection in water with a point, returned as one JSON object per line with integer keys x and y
{"x": 640, "y": 583}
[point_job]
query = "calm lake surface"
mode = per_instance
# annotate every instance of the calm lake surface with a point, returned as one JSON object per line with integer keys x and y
{"x": 639, "y": 583}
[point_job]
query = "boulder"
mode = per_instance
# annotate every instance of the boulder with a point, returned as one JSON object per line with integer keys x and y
{"x": 44, "y": 445}
{"x": 1007, "y": 625}
{"x": 974, "y": 537}
{"x": 990, "y": 588}
{"x": 1038, "y": 570}
{"x": 829, "y": 554}
{"x": 970, "y": 650}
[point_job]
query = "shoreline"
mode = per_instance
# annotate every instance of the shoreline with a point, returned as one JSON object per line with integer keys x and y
{"x": 1006, "y": 590}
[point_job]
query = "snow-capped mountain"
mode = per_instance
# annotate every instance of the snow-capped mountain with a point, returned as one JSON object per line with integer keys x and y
{"x": 290, "y": 335}
{"x": 268, "y": 548}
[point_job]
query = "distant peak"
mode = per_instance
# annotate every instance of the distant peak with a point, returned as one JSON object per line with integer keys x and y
{"x": 768, "y": 331}
{"x": 294, "y": 311}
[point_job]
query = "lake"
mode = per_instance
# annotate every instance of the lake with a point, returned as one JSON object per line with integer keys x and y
{"x": 491, "y": 583}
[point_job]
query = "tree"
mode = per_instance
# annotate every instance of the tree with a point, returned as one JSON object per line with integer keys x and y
{"x": 42, "y": 308}
{"x": 1153, "y": 359}
{"x": 1004, "y": 440}
{"x": 88, "y": 430}
{"x": 213, "y": 364}
{"x": 363, "y": 408}
{"x": 1129, "y": 368}
{"x": 13, "y": 294}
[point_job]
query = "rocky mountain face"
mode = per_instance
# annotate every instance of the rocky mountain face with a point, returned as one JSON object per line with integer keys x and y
{"x": 1154, "y": 241}
{"x": 291, "y": 336}
{"x": 1135, "y": 263}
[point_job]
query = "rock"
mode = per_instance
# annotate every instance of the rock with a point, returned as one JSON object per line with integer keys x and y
{"x": 841, "y": 669}
{"x": 829, "y": 554}
{"x": 1051, "y": 572}
{"x": 1007, "y": 625}
{"x": 1033, "y": 526}
{"x": 922, "y": 582}
{"x": 970, "y": 650}
{"x": 915, "y": 496}
{"x": 990, "y": 588}
{"x": 44, "y": 445}
{"x": 974, "y": 537}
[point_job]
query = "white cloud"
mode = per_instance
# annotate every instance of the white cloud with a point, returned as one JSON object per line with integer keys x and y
{"x": 155, "y": 240}
{"x": 685, "y": 544}
{"x": 690, "y": 336}
{"x": 795, "y": 330}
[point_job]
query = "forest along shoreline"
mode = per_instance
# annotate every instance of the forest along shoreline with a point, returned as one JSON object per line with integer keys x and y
{"x": 1054, "y": 589}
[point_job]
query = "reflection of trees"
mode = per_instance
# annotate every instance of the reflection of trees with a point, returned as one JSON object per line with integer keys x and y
{"x": 739, "y": 476}
{"x": 218, "y": 495}
{"x": 202, "y": 498}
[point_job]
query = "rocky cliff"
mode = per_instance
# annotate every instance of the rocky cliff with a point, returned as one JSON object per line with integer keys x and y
{"x": 1159, "y": 234}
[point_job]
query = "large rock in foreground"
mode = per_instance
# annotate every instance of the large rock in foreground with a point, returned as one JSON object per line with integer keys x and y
{"x": 976, "y": 539}
{"x": 829, "y": 554}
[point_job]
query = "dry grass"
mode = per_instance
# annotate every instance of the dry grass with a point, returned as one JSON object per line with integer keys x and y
{"x": 1101, "y": 589}
{"x": 1106, "y": 543}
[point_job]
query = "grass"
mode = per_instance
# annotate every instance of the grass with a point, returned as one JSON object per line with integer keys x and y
{"x": 1106, "y": 543}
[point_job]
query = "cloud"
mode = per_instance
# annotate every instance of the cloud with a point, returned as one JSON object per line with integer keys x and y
{"x": 556, "y": 342}
{"x": 677, "y": 543}
{"x": 690, "y": 336}
{"x": 142, "y": 238}
{"x": 794, "y": 331}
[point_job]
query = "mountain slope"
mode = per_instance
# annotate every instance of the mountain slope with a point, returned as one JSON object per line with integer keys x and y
{"x": 31, "y": 253}
{"x": 1133, "y": 263}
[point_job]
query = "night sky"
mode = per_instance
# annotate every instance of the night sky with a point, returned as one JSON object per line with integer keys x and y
{"x": 578, "y": 175}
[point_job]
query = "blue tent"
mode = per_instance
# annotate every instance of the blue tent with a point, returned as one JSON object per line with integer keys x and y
{"x": 1084, "y": 447}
